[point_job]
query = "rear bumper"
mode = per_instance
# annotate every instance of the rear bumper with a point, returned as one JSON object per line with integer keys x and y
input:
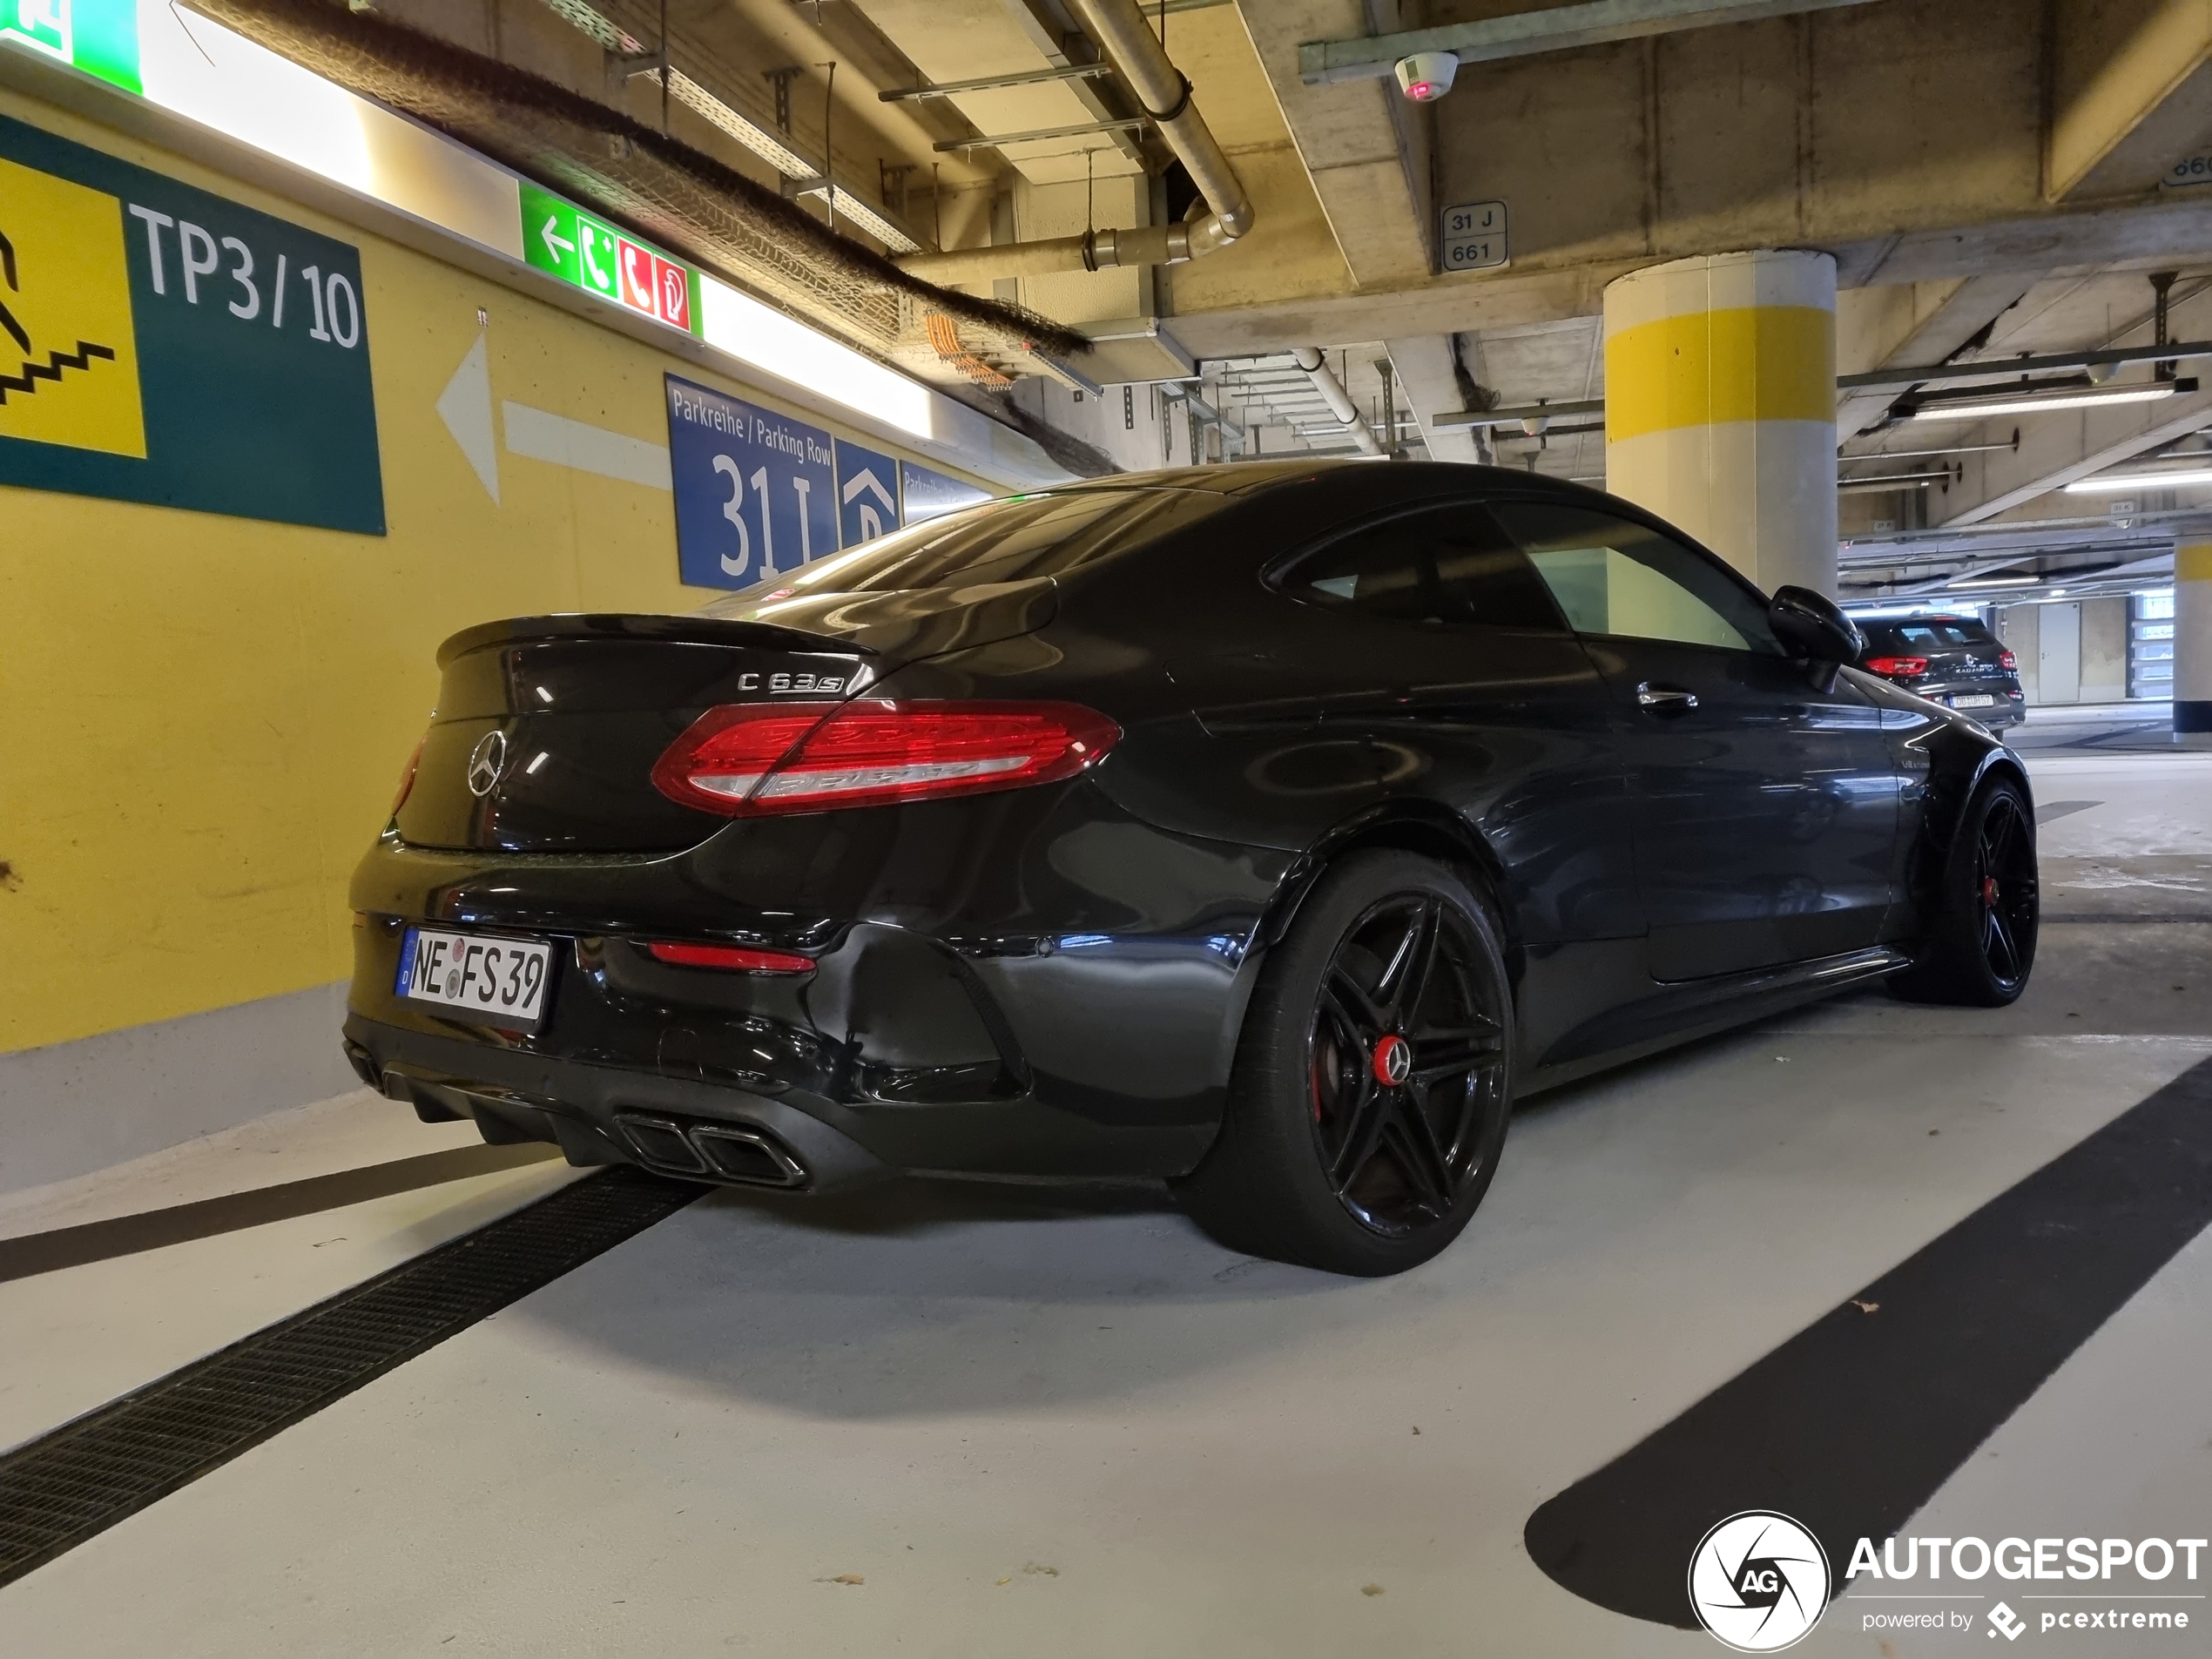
{"x": 711, "y": 1131}
{"x": 600, "y": 1115}
{"x": 890, "y": 1057}
{"x": 2009, "y": 709}
{"x": 734, "y": 1136}
{"x": 1035, "y": 1025}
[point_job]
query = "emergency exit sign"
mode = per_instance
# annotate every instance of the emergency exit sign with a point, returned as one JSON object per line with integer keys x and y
{"x": 99, "y": 36}
{"x": 562, "y": 240}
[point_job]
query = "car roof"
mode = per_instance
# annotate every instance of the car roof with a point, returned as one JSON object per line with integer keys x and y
{"x": 1419, "y": 480}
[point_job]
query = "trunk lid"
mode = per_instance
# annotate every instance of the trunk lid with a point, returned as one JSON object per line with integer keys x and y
{"x": 547, "y": 727}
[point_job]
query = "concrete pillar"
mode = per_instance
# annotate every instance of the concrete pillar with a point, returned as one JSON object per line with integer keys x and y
{"x": 2193, "y": 645}
{"x": 1720, "y": 407}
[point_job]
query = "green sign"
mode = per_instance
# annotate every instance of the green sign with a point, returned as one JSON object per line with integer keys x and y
{"x": 99, "y": 36}
{"x": 562, "y": 240}
{"x": 162, "y": 344}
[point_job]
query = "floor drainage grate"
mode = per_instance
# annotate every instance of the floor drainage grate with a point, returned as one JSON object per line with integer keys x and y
{"x": 63, "y": 1488}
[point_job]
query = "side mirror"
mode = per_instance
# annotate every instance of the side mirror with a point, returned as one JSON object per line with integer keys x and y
{"x": 1809, "y": 625}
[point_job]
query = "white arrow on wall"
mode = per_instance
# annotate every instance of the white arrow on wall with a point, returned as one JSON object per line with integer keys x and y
{"x": 538, "y": 434}
{"x": 465, "y": 407}
{"x": 866, "y": 479}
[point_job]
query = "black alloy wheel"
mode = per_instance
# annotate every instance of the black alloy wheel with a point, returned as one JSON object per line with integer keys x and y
{"x": 1404, "y": 1053}
{"x": 1981, "y": 947}
{"x": 1373, "y": 1081}
{"x": 2005, "y": 889}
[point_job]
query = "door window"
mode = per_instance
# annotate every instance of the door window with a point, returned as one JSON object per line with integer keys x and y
{"x": 1613, "y": 575}
{"x": 1434, "y": 565}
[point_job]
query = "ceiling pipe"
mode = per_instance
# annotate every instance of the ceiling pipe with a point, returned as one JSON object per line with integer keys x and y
{"x": 2000, "y": 369}
{"x": 1161, "y": 89}
{"x": 1333, "y": 393}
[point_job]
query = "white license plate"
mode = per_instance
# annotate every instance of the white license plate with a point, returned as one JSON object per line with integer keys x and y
{"x": 1974, "y": 702}
{"x": 497, "y": 982}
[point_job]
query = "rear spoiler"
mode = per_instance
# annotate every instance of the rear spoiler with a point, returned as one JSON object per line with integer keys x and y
{"x": 684, "y": 630}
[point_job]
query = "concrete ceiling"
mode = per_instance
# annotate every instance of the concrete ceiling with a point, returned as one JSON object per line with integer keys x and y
{"x": 1992, "y": 179}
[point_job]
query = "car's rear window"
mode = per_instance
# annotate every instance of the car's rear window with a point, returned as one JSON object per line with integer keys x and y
{"x": 1946, "y": 633}
{"x": 1012, "y": 539}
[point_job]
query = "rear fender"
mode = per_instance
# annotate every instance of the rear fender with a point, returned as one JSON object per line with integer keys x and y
{"x": 1410, "y": 825}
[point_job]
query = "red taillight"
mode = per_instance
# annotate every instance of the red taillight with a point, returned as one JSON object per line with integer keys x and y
{"x": 2006, "y": 661}
{"x": 407, "y": 778}
{"x": 736, "y": 959}
{"x": 747, "y": 760}
{"x": 1897, "y": 668}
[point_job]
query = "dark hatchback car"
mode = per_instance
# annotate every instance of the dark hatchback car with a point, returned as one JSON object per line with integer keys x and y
{"x": 1955, "y": 661}
{"x": 1267, "y": 829}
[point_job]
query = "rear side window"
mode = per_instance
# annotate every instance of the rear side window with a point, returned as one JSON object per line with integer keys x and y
{"x": 1945, "y": 635}
{"x": 1436, "y": 564}
{"x": 1009, "y": 539}
{"x": 1614, "y": 576}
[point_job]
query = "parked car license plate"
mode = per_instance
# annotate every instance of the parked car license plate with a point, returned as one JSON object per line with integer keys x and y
{"x": 1974, "y": 702}
{"x": 499, "y": 982}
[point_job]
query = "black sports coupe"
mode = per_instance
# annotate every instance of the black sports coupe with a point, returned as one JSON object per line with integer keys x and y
{"x": 1266, "y": 828}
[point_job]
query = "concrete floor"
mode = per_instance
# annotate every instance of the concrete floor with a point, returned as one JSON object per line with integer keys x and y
{"x": 1025, "y": 1421}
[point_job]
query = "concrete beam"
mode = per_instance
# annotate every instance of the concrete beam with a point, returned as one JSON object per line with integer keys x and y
{"x": 2114, "y": 63}
{"x": 2156, "y": 235}
{"x": 1935, "y": 322}
{"x": 2055, "y": 451}
{"x": 1521, "y": 34}
{"x": 1427, "y": 369}
{"x": 1365, "y": 149}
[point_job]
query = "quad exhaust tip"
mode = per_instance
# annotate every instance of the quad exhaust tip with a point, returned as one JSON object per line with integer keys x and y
{"x": 710, "y": 1151}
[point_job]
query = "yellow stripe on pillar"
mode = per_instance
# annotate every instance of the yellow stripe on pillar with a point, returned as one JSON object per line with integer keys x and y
{"x": 1720, "y": 406}
{"x": 1748, "y": 363}
{"x": 2194, "y": 563}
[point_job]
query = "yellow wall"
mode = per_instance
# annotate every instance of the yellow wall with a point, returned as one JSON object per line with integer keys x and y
{"x": 203, "y": 719}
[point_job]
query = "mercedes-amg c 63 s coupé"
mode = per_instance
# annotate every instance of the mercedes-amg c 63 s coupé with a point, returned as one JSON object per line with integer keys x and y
{"x": 1264, "y": 828}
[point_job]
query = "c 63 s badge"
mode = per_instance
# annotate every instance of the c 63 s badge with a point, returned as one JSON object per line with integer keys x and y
{"x": 1758, "y": 1581}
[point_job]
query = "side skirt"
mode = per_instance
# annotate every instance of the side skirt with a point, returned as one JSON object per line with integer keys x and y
{"x": 1683, "y": 1013}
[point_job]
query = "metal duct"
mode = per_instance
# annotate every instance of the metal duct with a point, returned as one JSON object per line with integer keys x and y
{"x": 1333, "y": 393}
{"x": 675, "y": 195}
{"x": 1137, "y": 56}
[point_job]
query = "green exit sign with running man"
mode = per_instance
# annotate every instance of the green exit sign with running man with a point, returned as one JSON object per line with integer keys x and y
{"x": 99, "y": 36}
{"x": 563, "y": 240}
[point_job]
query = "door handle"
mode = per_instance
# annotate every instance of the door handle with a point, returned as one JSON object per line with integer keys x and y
{"x": 1664, "y": 699}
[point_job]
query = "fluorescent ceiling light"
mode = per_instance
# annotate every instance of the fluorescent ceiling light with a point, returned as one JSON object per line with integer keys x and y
{"x": 204, "y": 72}
{"x": 2038, "y": 403}
{"x": 763, "y": 336}
{"x": 2113, "y": 483}
{"x": 1996, "y": 582}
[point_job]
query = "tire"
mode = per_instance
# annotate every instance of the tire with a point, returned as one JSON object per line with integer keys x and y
{"x": 1981, "y": 947}
{"x": 1393, "y": 969}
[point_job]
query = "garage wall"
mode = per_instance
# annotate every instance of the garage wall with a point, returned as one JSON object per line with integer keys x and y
{"x": 2070, "y": 650}
{"x": 207, "y": 716}
{"x": 2104, "y": 651}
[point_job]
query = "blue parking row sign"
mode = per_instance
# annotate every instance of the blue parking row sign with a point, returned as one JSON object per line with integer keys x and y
{"x": 758, "y": 494}
{"x": 867, "y": 494}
